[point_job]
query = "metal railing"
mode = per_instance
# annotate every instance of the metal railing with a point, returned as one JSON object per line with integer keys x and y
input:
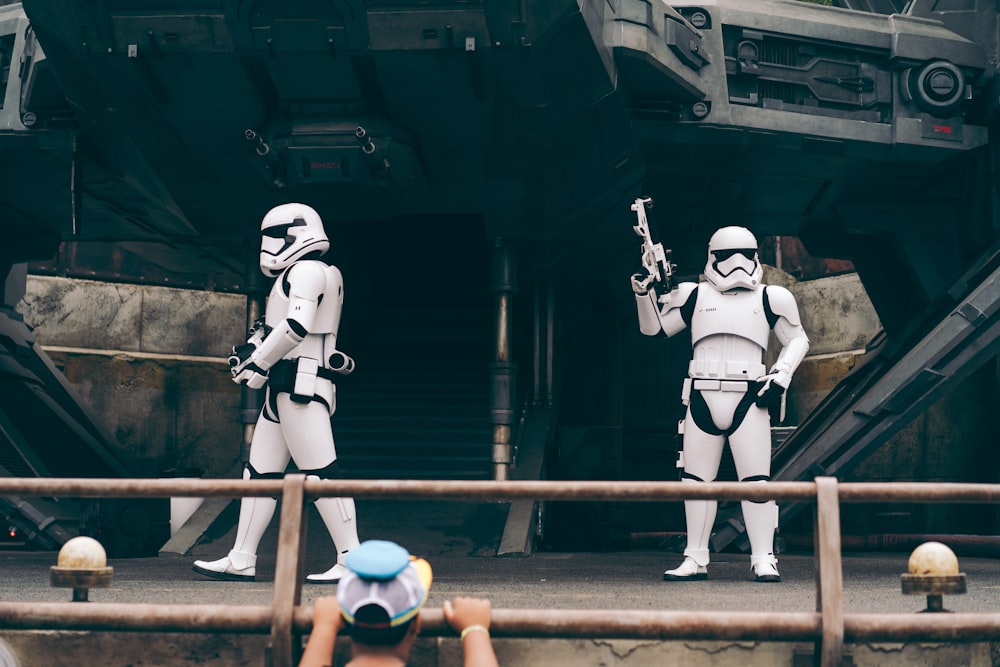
{"x": 829, "y": 628}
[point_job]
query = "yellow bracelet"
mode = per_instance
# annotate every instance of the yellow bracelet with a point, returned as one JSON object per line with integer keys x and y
{"x": 475, "y": 628}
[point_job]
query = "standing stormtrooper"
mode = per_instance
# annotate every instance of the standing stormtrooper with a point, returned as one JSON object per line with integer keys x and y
{"x": 728, "y": 391}
{"x": 294, "y": 352}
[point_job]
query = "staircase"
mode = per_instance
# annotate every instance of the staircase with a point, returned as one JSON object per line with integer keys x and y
{"x": 419, "y": 407}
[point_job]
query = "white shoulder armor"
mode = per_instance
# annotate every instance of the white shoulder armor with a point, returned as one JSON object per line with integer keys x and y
{"x": 671, "y": 314}
{"x": 681, "y": 294}
{"x": 661, "y": 313}
{"x": 783, "y": 304}
{"x": 306, "y": 279}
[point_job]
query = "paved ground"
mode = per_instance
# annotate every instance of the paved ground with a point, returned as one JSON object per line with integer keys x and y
{"x": 459, "y": 540}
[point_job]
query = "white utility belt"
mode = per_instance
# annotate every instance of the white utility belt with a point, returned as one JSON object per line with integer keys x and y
{"x": 720, "y": 385}
{"x": 736, "y": 370}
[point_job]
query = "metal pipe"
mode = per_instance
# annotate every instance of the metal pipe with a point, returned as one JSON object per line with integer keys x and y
{"x": 949, "y": 627}
{"x": 549, "y": 623}
{"x": 562, "y": 490}
{"x": 917, "y": 492}
{"x": 288, "y": 571}
{"x": 129, "y": 617}
{"x": 406, "y": 489}
{"x": 829, "y": 573}
{"x": 502, "y": 369}
{"x": 521, "y": 623}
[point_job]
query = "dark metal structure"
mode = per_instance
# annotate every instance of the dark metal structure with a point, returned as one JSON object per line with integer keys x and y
{"x": 167, "y": 127}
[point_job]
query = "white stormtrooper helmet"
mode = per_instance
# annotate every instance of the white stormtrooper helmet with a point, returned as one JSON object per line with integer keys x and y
{"x": 732, "y": 260}
{"x": 287, "y": 234}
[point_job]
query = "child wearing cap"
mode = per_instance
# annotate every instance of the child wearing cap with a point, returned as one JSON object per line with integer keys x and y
{"x": 379, "y": 602}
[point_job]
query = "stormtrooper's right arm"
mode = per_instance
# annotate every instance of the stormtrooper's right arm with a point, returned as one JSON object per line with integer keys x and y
{"x": 281, "y": 340}
{"x": 305, "y": 291}
{"x": 662, "y": 313}
{"x": 286, "y": 335}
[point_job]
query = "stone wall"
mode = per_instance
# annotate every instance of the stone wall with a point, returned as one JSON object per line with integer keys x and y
{"x": 150, "y": 362}
{"x": 840, "y": 321}
{"x": 92, "y": 649}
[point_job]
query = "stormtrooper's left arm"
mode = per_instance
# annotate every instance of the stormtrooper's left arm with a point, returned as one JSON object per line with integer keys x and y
{"x": 794, "y": 345}
{"x": 306, "y": 281}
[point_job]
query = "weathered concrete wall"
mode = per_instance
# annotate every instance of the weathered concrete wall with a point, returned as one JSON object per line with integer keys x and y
{"x": 119, "y": 649}
{"x": 150, "y": 362}
{"x": 837, "y": 314}
{"x": 94, "y": 315}
{"x": 840, "y": 321}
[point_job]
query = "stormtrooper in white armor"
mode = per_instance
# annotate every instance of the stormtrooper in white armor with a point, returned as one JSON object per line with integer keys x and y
{"x": 294, "y": 353}
{"x": 728, "y": 391}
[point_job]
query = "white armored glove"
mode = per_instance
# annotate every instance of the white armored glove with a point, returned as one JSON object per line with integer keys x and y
{"x": 640, "y": 283}
{"x": 241, "y": 359}
{"x": 775, "y": 384}
{"x": 643, "y": 282}
{"x": 250, "y": 374}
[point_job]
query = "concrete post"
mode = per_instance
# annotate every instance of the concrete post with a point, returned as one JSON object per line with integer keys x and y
{"x": 251, "y": 399}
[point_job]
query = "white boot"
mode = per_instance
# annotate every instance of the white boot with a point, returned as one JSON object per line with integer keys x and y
{"x": 765, "y": 568}
{"x": 237, "y": 566}
{"x": 700, "y": 518}
{"x": 338, "y": 515}
{"x": 761, "y": 520}
{"x": 687, "y": 571}
{"x": 331, "y": 576}
{"x": 241, "y": 563}
{"x": 694, "y": 567}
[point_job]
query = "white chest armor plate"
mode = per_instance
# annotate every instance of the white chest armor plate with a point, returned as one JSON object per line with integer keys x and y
{"x": 739, "y": 313}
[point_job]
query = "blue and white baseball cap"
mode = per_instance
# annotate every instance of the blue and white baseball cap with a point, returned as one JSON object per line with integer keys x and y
{"x": 385, "y": 575}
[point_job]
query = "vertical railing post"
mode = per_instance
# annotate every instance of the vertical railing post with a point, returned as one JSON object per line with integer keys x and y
{"x": 288, "y": 570}
{"x": 829, "y": 574}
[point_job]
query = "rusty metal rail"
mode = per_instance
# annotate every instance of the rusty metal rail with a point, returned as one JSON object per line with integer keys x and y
{"x": 520, "y": 623}
{"x": 850, "y": 492}
{"x": 285, "y": 620}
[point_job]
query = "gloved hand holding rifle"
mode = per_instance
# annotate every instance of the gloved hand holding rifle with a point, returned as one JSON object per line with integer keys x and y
{"x": 655, "y": 259}
{"x": 242, "y": 369}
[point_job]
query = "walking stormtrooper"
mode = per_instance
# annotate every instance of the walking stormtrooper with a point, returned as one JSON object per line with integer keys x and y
{"x": 728, "y": 391}
{"x": 294, "y": 353}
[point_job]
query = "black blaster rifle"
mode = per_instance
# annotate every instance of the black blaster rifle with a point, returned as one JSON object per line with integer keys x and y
{"x": 655, "y": 259}
{"x": 255, "y": 336}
